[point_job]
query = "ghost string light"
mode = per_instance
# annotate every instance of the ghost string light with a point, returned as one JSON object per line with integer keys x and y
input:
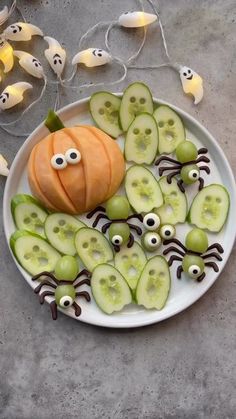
{"x": 192, "y": 82}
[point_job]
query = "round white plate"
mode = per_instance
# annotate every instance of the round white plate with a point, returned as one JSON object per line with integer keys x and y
{"x": 183, "y": 292}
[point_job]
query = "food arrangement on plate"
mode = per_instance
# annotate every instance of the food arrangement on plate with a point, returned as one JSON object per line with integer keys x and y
{"x": 102, "y": 210}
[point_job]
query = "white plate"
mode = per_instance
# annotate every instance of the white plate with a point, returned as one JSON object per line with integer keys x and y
{"x": 183, "y": 293}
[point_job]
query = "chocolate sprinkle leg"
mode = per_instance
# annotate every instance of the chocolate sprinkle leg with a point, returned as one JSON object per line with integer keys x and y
{"x": 84, "y": 294}
{"x": 53, "y": 307}
{"x": 166, "y": 159}
{"x": 173, "y": 258}
{"x": 205, "y": 168}
{"x": 201, "y": 183}
{"x": 201, "y": 277}
{"x": 179, "y": 271}
{"x": 174, "y": 249}
{"x": 45, "y": 294}
{"x": 176, "y": 241}
{"x": 164, "y": 169}
{"x": 39, "y": 287}
{"x": 135, "y": 228}
{"x": 45, "y": 273}
{"x": 77, "y": 309}
{"x": 138, "y": 216}
{"x": 212, "y": 265}
{"x": 98, "y": 218}
{"x": 180, "y": 185}
{"x": 202, "y": 158}
{"x": 202, "y": 150}
{"x": 169, "y": 177}
{"x": 131, "y": 241}
{"x": 212, "y": 255}
{"x": 106, "y": 226}
{"x": 84, "y": 272}
{"x": 116, "y": 248}
{"x": 216, "y": 246}
{"x": 83, "y": 282}
{"x": 91, "y": 214}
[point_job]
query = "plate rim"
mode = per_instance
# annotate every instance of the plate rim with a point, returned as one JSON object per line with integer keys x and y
{"x": 119, "y": 324}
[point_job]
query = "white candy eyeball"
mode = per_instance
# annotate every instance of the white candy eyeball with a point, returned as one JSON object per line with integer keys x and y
{"x": 58, "y": 161}
{"x": 167, "y": 231}
{"x": 73, "y": 156}
{"x": 193, "y": 174}
{"x": 151, "y": 241}
{"x": 66, "y": 301}
{"x": 117, "y": 240}
{"x": 194, "y": 271}
{"x": 151, "y": 221}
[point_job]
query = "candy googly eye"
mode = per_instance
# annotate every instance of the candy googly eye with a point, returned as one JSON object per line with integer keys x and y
{"x": 117, "y": 240}
{"x": 66, "y": 301}
{"x": 58, "y": 162}
{"x": 151, "y": 241}
{"x": 194, "y": 174}
{"x": 194, "y": 271}
{"x": 151, "y": 221}
{"x": 73, "y": 156}
{"x": 167, "y": 231}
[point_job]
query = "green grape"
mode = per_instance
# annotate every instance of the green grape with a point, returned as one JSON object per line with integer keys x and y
{"x": 65, "y": 295}
{"x": 151, "y": 241}
{"x": 119, "y": 233}
{"x": 196, "y": 240}
{"x": 117, "y": 208}
{"x": 190, "y": 173}
{"x": 186, "y": 151}
{"x": 193, "y": 265}
{"x": 66, "y": 268}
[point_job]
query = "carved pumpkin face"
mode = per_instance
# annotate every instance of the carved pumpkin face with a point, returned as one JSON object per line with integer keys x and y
{"x": 75, "y": 169}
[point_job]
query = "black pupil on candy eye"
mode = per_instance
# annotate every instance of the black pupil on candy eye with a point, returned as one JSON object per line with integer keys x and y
{"x": 59, "y": 161}
{"x": 67, "y": 303}
{"x": 154, "y": 241}
{"x": 150, "y": 222}
{"x": 195, "y": 271}
{"x": 117, "y": 241}
{"x": 194, "y": 174}
{"x": 167, "y": 232}
{"x": 73, "y": 155}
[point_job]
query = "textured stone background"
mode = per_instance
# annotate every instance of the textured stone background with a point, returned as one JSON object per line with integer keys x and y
{"x": 185, "y": 366}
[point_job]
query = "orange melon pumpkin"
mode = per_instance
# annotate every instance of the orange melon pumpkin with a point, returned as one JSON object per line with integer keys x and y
{"x": 79, "y": 187}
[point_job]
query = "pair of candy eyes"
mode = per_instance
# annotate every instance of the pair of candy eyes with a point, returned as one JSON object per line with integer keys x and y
{"x": 59, "y": 161}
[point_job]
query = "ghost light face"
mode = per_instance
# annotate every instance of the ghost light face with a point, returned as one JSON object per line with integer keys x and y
{"x": 55, "y": 55}
{"x": 6, "y": 55}
{"x": 30, "y": 64}
{"x": 136, "y": 19}
{"x": 192, "y": 83}
{"x": 92, "y": 57}
{"x": 21, "y": 31}
{"x": 13, "y": 94}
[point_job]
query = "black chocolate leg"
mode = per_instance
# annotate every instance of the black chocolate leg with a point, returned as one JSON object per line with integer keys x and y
{"x": 171, "y": 175}
{"x": 45, "y": 294}
{"x": 166, "y": 168}
{"x": 201, "y": 183}
{"x": 84, "y": 272}
{"x": 179, "y": 271}
{"x": 201, "y": 277}
{"x": 205, "y": 168}
{"x": 202, "y": 150}
{"x": 131, "y": 241}
{"x": 212, "y": 255}
{"x": 216, "y": 246}
{"x": 136, "y": 228}
{"x": 176, "y": 241}
{"x": 173, "y": 249}
{"x": 166, "y": 159}
{"x": 84, "y": 294}
{"x": 53, "y": 307}
{"x": 202, "y": 158}
{"x": 105, "y": 227}
{"x": 77, "y": 309}
{"x": 138, "y": 216}
{"x": 39, "y": 287}
{"x": 84, "y": 281}
{"x": 212, "y": 265}
{"x": 98, "y": 218}
{"x": 45, "y": 273}
{"x": 173, "y": 258}
{"x": 180, "y": 185}
{"x": 92, "y": 213}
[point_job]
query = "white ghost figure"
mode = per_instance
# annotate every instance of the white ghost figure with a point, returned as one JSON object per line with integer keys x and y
{"x": 21, "y": 31}
{"x": 6, "y": 55}
{"x": 13, "y": 94}
{"x": 92, "y": 57}
{"x": 55, "y": 55}
{"x": 4, "y": 171}
{"x": 192, "y": 83}
{"x": 136, "y": 19}
{"x": 4, "y": 13}
{"x": 30, "y": 64}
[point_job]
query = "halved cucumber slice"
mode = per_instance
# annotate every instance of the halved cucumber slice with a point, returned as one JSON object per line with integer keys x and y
{"x": 104, "y": 108}
{"x": 109, "y": 288}
{"x": 28, "y": 214}
{"x": 60, "y": 230}
{"x": 154, "y": 284}
{"x": 210, "y": 207}
{"x": 93, "y": 248}
{"x": 170, "y": 127}
{"x": 33, "y": 252}
{"x": 142, "y": 140}
{"x": 175, "y": 205}
{"x": 136, "y": 99}
{"x": 130, "y": 263}
{"x": 142, "y": 189}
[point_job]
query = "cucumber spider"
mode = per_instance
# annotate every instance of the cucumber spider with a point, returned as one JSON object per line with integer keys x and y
{"x": 64, "y": 285}
{"x": 185, "y": 165}
{"x": 194, "y": 255}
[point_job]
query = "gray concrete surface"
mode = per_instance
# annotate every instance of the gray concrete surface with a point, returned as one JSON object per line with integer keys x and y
{"x": 183, "y": 367}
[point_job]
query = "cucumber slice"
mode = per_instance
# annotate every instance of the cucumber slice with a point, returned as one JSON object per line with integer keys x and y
{"x": 175, "y": 205}
{"x": 210, "y": 207}
{"x": 109, "y": 288}
{"x": 130, "y": 263}
{"x": 142, "y": 189}
{"x": 142, "y": 140}
{"x": 170, "y": 127}
{"x": 136, "y": 99}
{"x": 104, "y": 108}
{"x": 33, "y": 253}
{"x": 154, "y": 284}
{"x": 93, "y": 248}
{"x": 60, "y": 230}
{"x": 28, "y": 214}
